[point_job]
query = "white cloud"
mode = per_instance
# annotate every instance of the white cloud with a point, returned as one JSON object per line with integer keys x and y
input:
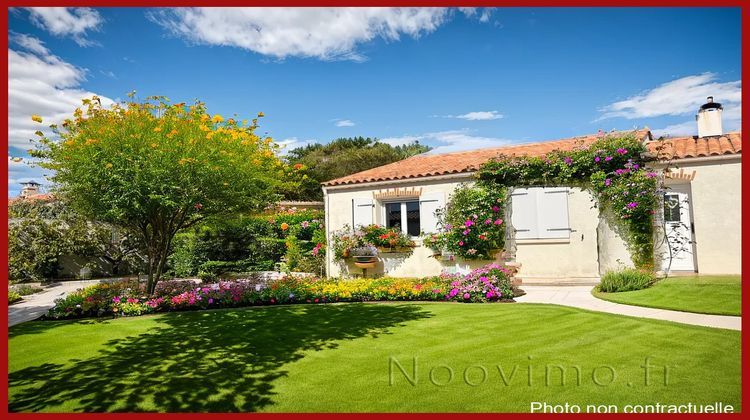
{"x": 678, "y": 97}
{"x": 293, "y": 143}
{"x": 74, "y": 22}
{"x": 477, "y": 116}
{"x": 29, "y": 43}
{"x": 345, "y": 123}
{"x": 43, "y": 84}
{"x": 331, "y": 33}
{"x": 449, "y": 141}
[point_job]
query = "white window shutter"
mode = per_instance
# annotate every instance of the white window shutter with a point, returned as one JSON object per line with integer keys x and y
{"x": 362, "y": 211}
{"x": 524, "y": 213}
{"x": 552, "y": 211}
{"x": 428, "y": 204}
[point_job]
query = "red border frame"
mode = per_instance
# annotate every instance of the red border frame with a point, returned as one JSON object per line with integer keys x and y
{"x": 477, "y": 3}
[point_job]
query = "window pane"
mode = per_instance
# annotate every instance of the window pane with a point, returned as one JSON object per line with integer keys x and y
{"x": 671, "y": 208}
{"x": 393, "y": 215}
{"x": 412, "y": 218}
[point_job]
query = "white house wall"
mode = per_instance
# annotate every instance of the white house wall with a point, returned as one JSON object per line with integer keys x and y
{"x": 575, "y": 258}
{"x": 716, "y": 209}
{"x": 338, "y": 202}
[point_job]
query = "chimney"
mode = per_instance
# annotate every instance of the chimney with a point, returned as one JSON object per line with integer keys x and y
{"x": 29, "y": 188}
{"x": 709, "y": 118}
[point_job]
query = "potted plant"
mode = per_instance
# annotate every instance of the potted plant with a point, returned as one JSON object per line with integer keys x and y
{"x": 365, "y": 256}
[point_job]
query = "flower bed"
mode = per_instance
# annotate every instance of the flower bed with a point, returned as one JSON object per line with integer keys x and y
{"x": 490, "y": 283}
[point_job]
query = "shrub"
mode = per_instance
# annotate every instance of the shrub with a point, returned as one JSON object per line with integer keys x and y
{"x": 488, "y": 283}
{"x": 626, "y": 280}
{"x": 253, "y": 243}
{"x": 26, "y": 289}
{"x": 471, "y": 225}
{"x": 13, "y": 296}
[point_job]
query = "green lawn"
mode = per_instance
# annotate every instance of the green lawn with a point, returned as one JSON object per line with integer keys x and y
{"x": 337, "y": 358}
{"x": 721, "y": 295}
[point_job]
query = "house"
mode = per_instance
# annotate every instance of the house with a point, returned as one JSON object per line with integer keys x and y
{"x": 559, "y": 235}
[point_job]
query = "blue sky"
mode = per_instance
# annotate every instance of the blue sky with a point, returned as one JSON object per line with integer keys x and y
{"x": 453, "y": 79}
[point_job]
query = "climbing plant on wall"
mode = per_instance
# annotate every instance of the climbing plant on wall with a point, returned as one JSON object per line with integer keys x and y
{"x": 612, "y": 168}
{"x": 471, "y": 225}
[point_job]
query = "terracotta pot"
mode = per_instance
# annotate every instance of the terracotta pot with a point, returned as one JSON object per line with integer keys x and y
{"x": 365, "y": 258}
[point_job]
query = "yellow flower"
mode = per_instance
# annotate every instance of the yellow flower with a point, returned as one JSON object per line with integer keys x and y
{"x": 217, "y": 118}
{"x": 153, "y": 145}
{"x": 204, "y": 117}
{"x": 157, "y": 129}
{"x": 260, "y": 115}
{"x": 36, "y": 118}
{"x": 284, "y": 226}
{"x": 109, "y": 165}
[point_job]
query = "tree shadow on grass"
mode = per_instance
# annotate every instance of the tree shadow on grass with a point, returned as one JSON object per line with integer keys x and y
{"x": 211, "y": 361}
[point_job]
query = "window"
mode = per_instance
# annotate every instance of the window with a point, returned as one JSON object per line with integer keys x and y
{"x": 671, "y": 208}
{"x": 403, "y": 215}
{"x": 540, "y": 213}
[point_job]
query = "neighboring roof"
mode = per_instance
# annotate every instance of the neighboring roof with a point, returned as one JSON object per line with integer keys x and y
{"x": 462, "y": 162}
{"x": 692, "y": 147}
{"x": 35, "y": 197}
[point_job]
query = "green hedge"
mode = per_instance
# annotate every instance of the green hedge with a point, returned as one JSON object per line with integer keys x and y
{"x": 253, "y": 243}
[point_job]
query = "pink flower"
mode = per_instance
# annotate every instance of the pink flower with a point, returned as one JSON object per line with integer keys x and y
{"x": 468, "y": 222}
{"x": 632, "y": 205}
{"x": 466, "y": 232}
{"x": 467, "y": 296}
{"x": 607, "y": 182}
{"x": 608, "y": 158}
{"x": 597, "y": 159}
{"x": 651, "y": 174}
{"x": 460, "y": 243}
{"x": 498, "y": 222}
{"x": 488, "y": 222}
{"x": 622, "y": 151}
{"x": 495, "y": 209}
{"x": 116, "y": 299}
{"x": 568, "y": 161}
{"x": 490, "y": 294}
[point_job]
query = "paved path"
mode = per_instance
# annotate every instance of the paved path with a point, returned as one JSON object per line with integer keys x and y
{"x": 36, "y": 305}
{"x": 581, "y": 297}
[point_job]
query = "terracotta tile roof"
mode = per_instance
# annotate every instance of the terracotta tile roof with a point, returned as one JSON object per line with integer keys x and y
{"x": 35, "y": 197}
{"x": 460, "y": 162}
{"x": 692, "y": 147}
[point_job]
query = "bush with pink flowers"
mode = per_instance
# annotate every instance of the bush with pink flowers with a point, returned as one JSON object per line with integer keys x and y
{"x": 486, "y": 284}
{"x": 471, "y": 225}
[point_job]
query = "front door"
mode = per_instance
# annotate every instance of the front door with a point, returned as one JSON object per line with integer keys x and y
{"x": 679, "y": 228}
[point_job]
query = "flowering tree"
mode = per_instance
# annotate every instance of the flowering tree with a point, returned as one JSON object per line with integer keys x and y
{"x": 155, "y": 168}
